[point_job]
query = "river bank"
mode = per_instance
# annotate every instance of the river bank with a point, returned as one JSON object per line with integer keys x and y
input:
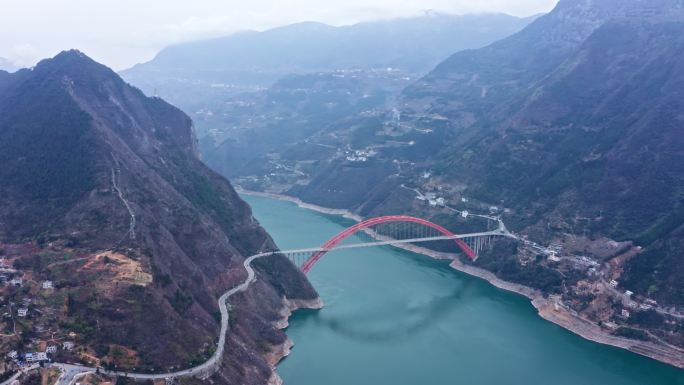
{"x": 546, "y": 308}
{"x": 280, "y": 352}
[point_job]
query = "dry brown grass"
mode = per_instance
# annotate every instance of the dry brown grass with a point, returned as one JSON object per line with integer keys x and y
{"x": 119, "y": 269}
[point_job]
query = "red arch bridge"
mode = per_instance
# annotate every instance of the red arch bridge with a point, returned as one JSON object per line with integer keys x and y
{"x": 396, "y": 230}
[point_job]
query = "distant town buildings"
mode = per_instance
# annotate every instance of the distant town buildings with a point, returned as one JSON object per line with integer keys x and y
{"x": 360, "y": 155}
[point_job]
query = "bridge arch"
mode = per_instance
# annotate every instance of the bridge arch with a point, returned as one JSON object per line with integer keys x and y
{"x": 334, "y": 241}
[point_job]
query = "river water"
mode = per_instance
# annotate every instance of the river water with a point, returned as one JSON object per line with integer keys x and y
{"x": 392, "y": 317}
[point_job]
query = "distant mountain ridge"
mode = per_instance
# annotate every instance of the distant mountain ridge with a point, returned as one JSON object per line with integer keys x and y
{"x": 414, "y": 44}
{"x": 310, "y": 47}
{"x": 258, "y": 59}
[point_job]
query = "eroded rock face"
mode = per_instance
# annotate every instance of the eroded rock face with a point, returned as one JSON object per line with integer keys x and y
{"x": 91, "y": 164}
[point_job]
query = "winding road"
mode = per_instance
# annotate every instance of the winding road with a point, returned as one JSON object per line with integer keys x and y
{"x": 71, "y": 372}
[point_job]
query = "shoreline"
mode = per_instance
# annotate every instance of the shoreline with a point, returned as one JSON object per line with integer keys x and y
{"x": 546, "y": 309}
{"x": 280, "y": 352}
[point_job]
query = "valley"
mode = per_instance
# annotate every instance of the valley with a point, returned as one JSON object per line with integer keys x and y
{"x": 417, "y": 199}
{"x": 512, "y": 130}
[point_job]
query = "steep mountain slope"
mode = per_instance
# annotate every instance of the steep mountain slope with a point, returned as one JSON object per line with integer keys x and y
{"x": 102, "y": 192}
{"x": 590, "y": 131}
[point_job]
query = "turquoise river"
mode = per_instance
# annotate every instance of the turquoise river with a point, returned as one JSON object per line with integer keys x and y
{"x": 396, "y": 318}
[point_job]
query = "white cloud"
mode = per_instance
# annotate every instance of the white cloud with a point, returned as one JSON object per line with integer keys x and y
{"x": 122, "y": 32}
{"x": 22, "y": 55}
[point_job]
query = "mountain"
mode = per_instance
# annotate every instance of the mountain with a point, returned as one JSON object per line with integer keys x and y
{"x": 103, "y": 193}
{"x": 257, "y": 59}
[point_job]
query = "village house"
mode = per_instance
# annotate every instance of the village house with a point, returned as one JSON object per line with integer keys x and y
{"x": 47, "y": 285}
{"x": 68, "y": 345}
{"x": 612, "y": 326}
{"x": 52, "y": 349}
{"x": 35, "y": 357}
{"x": 23, "y": 312}
{"x": 17, "y": 281}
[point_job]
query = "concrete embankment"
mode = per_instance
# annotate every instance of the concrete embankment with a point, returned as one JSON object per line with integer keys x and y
{"x": 560, "y": 316}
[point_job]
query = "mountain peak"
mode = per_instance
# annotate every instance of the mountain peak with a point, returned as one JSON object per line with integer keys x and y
{"x": 68, "y": 57}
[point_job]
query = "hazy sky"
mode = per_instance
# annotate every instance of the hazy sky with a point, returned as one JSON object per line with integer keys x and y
{"x": 120, "y": 33}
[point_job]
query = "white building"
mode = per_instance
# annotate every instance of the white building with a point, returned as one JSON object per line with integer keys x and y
{"x": 36, "y": 357}
{"x": 17, "y": 281}
{"x": 13, "y": 354}
{"x": 22, "y": 312}
{"x": 610, "y": 325}
{"x": 613, "y": 283}
{"x": 465, "y": 214}
{"x": 67, "y": 345}
{"x": 441, "y": 202}
{"x": 625, "y": 313}
{"x": 629, "y": 294}
{"x": 47, "y": 285}
{"x": 52, "y": 349}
